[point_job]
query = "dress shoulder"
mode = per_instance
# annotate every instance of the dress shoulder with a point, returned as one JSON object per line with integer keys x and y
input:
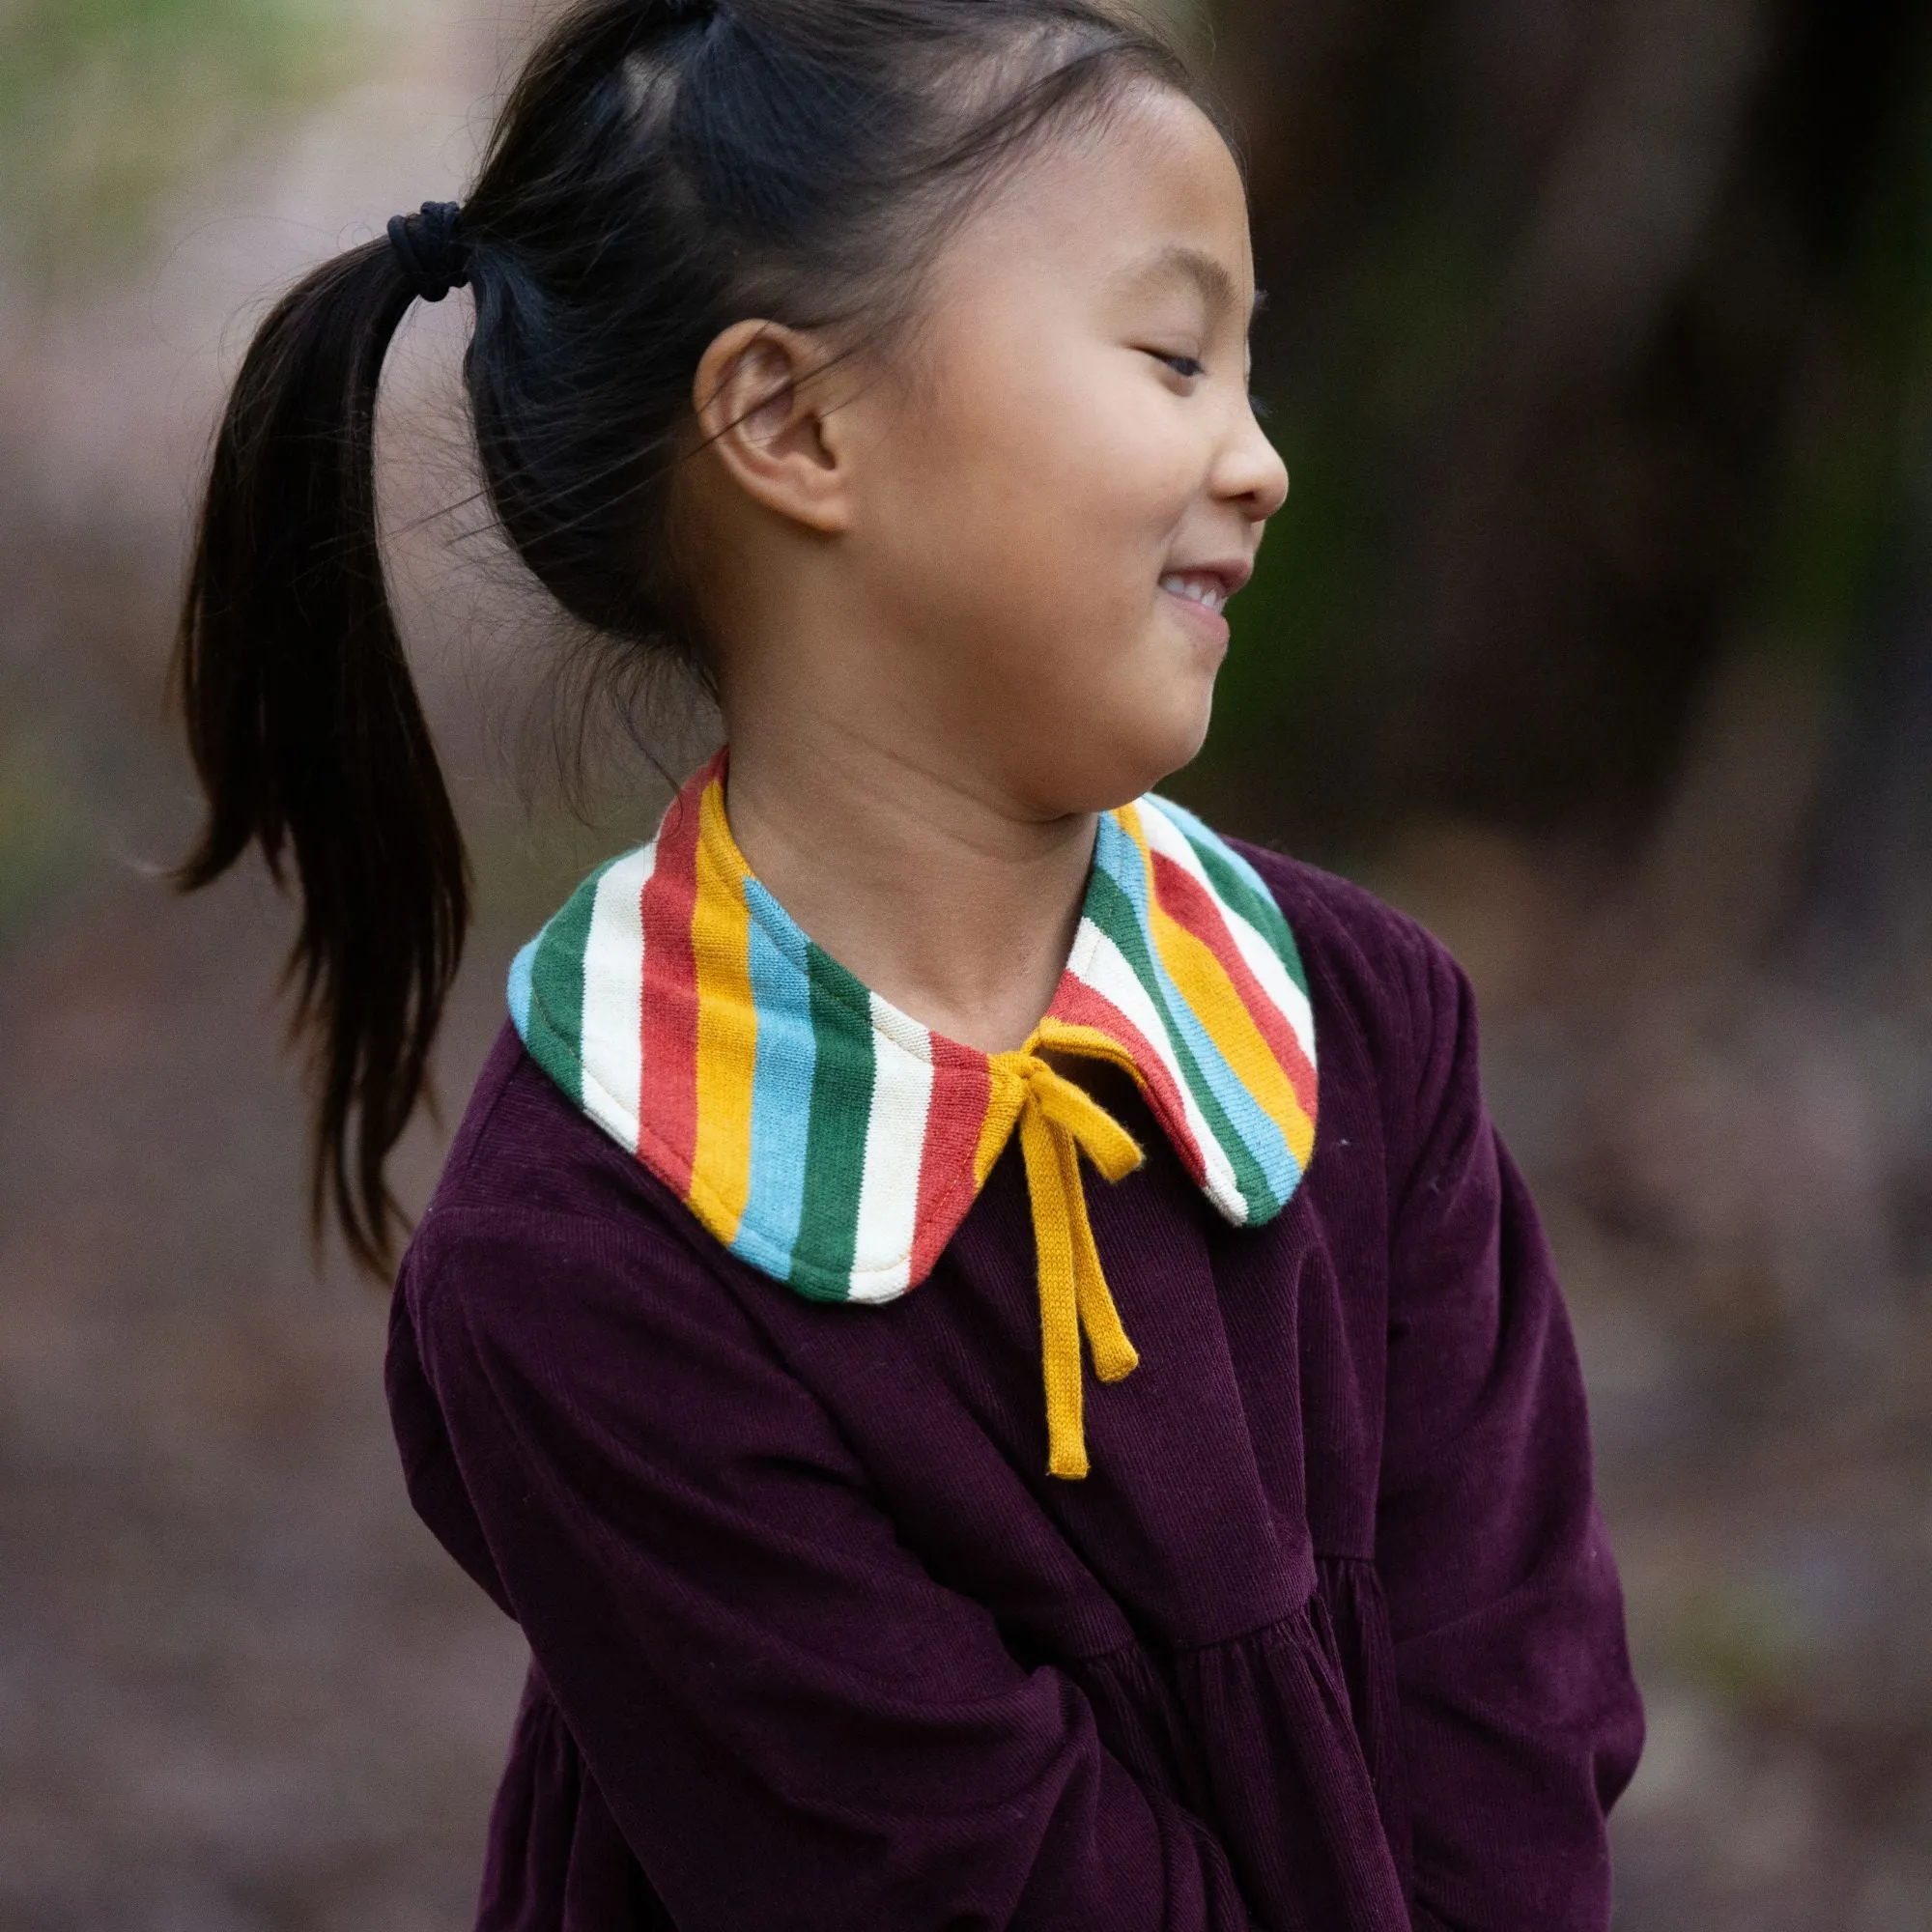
{"x": 523, "y": 1149}
{"x": 1391, "y": 1004}
{"x": 1365, "y": 944}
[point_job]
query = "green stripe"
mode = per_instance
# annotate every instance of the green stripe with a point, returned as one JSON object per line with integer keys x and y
{"x": 556, "y": 988}
{"x": 1257, "y": 908}
{"x": 1112, "y": 912}
{"x": 835, "y": 1144}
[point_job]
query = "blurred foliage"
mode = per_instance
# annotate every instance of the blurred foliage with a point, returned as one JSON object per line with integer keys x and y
{"x": 36, "y": 829}
{"x": 1855, "y": 484}
{"x": 1599, "y": 349}
{"x": 1735, "y": 1640}
{"x": 1404, "y": 324}
{"x": 106, "y": 104}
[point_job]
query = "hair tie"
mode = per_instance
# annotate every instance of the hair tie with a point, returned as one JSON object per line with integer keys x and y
{"x": 426, "y": 245}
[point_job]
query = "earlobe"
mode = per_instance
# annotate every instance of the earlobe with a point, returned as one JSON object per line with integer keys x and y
{"x": 761, "y": 410}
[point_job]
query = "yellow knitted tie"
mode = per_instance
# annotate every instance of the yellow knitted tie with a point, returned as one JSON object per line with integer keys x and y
{"x": 1059, "y": 1121}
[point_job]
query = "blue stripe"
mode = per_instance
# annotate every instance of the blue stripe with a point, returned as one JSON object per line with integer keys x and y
{"x": 520, "y": 987}
{"x": 1203, "y": 834}
{"x": 788, "y": 1053}
{"x": 1274, "y": 925}
{"x": 1122, "y": 860}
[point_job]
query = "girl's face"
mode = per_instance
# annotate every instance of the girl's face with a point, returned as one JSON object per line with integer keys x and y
{"x": 1062, "y": 479}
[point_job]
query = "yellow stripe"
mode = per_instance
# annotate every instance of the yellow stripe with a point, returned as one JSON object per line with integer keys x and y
{"x": 1220, "y": 1009}
{"x": 1006, "y": 1091}
{"x": 727, "y": 1023}
{"x": 1058, "y": 1122}
{"x": 1059, "y": 1283}
{"x": 1088, "y": 1043}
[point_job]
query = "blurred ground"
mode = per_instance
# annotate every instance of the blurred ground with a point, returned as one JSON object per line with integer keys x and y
{"x": 240, "y": 1687}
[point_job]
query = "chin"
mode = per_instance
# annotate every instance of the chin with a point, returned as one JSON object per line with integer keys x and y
{"x": 1176, "y": 739}
{"x": 1110, "y": 732}
{"x": 1138, "y": 762}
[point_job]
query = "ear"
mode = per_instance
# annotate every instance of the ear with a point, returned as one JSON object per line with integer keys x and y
{"x": 765, "y": 414}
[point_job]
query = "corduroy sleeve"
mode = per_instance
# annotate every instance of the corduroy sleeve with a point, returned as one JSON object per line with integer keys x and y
{"x": 1521, "y": 1719}
{"x": 793, "y": 1723}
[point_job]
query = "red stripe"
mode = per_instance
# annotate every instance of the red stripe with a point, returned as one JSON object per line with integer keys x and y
{"x": 1190, "y": 904}
{"x": 669, "y": 1043}
{"x": 955, "y": 1115}
{"x": 954, "y": 1120}
{"x": 1080, "y": 1005}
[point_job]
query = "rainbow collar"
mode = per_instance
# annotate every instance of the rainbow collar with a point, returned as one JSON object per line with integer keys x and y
{"x": 836, "y": 1144}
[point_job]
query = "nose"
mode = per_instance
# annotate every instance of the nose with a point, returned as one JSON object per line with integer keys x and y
{"x": 1250, "y": 473}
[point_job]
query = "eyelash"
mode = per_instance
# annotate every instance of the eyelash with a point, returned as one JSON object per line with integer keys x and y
{"x": 1196, "y": 367}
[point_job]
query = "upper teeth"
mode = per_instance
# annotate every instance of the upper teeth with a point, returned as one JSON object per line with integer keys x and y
{"x": 1205, "y": 590}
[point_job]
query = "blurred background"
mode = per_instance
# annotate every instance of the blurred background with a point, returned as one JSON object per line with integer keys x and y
{"x": 1597, "y": 632}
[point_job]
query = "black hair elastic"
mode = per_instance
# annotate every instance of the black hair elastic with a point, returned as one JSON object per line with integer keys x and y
{"x": 426, "y": 245}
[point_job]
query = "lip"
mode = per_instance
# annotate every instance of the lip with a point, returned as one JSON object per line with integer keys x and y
{"x": 1208, "y": 628}
{"x": 1230, "y": 572}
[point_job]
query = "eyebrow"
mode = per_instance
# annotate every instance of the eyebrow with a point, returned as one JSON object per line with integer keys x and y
{"x": 1207, "y": 273}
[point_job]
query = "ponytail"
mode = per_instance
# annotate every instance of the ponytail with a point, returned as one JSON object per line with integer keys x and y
{"x": 306, "y": 732}
{"x": 661, "y": 169}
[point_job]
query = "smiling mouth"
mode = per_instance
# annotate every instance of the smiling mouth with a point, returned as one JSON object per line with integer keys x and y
{"x": 1210, "y": 592}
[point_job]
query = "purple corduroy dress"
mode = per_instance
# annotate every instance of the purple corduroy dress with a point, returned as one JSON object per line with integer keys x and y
{"x": 1329, "y": 1640}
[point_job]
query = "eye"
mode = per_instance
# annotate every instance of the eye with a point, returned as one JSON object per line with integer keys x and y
{"x": 1188, "y": 367}
{"x": 1258, "y": 407}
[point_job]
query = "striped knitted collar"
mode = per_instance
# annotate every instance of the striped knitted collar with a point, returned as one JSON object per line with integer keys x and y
{"x": 836, "y": 1144}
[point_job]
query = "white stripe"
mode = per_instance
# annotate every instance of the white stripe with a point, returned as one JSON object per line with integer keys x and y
{"x": 895, "y": 1141}
{"x": 1163, "y": 834}
{"x": 1266, "y": 964}
{"x": 1165, "y": 837}
{"x": 1107, "y": 971}
{"x": 614, "y": 997}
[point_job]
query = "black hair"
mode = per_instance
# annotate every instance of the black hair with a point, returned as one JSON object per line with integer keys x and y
{"x": 661, "y": 169}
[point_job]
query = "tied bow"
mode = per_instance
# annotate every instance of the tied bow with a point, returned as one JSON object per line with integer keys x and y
{"x": 1058, "y": 1122}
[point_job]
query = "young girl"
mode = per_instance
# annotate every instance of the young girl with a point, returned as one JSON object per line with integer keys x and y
{"x": 885, "y": 361}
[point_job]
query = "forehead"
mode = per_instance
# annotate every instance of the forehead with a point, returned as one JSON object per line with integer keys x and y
{"x": 1146, "y": 199}
{"x": 1182, "y": 265}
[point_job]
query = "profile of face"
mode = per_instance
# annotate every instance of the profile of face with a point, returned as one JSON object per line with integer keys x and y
{"x": 1028, "y": 514}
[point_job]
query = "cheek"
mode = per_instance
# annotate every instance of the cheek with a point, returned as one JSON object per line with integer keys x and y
{"x": 1058, "y": 495}
{"x": 1110, "y": 468}
{"x": 1028, "y": 532}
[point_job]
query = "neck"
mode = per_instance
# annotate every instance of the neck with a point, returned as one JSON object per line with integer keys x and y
{"x": 954, "y": 905}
